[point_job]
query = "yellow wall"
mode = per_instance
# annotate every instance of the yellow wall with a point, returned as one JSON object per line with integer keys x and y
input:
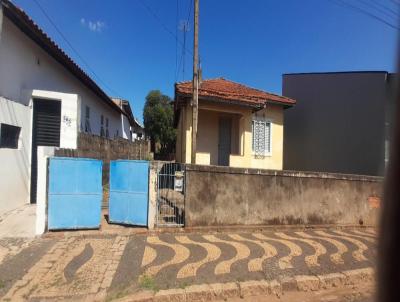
{"x": 207, "y": 136}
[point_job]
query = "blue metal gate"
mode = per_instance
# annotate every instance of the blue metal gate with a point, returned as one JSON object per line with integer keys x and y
{"x": 74, "y": 193}
{"x": 129, "y": 190}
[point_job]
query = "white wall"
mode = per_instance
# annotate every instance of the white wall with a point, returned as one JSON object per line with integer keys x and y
{"x": 70, "y": 104}
{"x": 25, "y": 67}
{"x": 126, "y": 127}
{"x": 15, "y": 163}
{"x": 26, "y": 71}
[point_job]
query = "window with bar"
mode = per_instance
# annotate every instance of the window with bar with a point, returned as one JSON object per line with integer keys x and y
{"x": 261, "y": 141}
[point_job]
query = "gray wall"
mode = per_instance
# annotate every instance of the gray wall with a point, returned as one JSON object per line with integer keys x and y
{"x": 220, "y": 196}
{"x": 338, "y": 123}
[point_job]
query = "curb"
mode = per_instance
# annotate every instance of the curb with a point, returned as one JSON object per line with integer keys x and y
{"x": 132, "y": 231}
{"x": 223, "y": 291}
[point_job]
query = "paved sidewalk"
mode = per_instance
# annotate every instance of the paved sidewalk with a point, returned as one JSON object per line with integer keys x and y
{"x": 10, "y": 222}
{"x": 100, "y": 267}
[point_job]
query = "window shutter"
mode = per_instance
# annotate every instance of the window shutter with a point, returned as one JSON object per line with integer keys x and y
{"x": 259, "y": 137}
{"x": 267, "y": 138}
{"x": 261, "y": 142}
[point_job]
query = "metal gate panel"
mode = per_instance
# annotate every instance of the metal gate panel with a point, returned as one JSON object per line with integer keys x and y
{"x": 171, "y": 195}
{"x": 74, "y": 193}
{"x": 129, "y": 192}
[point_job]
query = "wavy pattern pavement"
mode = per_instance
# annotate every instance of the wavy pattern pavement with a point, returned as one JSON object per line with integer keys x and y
{"x": 258, "y": 252}
{"x": 89, "y": 266}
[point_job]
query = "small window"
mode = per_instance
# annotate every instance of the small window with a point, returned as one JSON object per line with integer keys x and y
{"x": 107, "y": 132}
{"x": 261, "y": 142}
{"x": 9, "y": 136}
{"x": 87, "y": 120}
{"x": 102, "y": 133}
{"x": 87, "y": 112}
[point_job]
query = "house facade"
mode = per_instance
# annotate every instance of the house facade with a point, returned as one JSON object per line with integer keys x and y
{"x": 238, "y": 126}
{"x": 342, "y": 122}
{"x": 45, "y": 101}
{"x": 133, "y": 130}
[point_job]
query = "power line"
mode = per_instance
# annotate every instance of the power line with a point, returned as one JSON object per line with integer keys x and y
{"x": 381, "y": 8}
{"x": 155, "y": 16}
{"x": 185, "y": 29}
{"x": 365, "y": 12}
{"x": 73, "y": 49}
{"x": 395, "y": 12}
{"x": 176, "y": 40}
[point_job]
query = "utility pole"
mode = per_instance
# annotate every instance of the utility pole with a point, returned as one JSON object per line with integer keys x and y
{"x": 195, "y": 100}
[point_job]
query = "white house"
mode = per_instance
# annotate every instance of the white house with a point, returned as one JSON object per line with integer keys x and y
{"x": 45, "y": 100}
{"x": 133, "y": 130}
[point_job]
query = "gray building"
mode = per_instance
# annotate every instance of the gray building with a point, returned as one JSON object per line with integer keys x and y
{"x": 341, "y": 123}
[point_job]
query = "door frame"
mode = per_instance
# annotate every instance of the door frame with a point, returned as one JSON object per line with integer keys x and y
{"x": 34, "y": 148}
{"x": 221, "y": 159}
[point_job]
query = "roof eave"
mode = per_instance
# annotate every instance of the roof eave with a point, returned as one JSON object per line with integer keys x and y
{"x": 236, "y": 102}
{"x": 220, "y": 100}
{"x": 12, "y": 13}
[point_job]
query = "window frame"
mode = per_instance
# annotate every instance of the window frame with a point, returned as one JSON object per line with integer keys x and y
{"x": 88, "y": 129}
{"x": 16, "y": 139}
{"x": 107, "y": 131}
{"x": 270, "y": 123}
{"x": 102, "y": 131}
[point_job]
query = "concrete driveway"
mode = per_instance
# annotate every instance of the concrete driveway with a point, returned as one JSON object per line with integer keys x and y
{"x": 10, "y": 222}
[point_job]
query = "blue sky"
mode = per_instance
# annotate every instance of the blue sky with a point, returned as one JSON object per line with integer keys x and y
{"x": 253, "y": 42}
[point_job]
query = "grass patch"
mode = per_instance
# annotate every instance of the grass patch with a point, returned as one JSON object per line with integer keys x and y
{"x": 183, "y": 285}
{"x": 117, "y": 295}
{"x": 147, "y": 282}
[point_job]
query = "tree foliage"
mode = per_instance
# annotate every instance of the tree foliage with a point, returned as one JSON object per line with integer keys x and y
{"x": 158, "y": 115}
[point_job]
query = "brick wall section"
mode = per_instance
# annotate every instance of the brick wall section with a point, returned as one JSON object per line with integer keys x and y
{"x": 93, "y": 146}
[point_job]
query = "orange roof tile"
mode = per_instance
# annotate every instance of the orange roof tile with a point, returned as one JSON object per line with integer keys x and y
{"x": 227, "y": 90}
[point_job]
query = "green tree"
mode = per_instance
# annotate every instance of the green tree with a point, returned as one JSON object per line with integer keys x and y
{"x": 158, "y": 116}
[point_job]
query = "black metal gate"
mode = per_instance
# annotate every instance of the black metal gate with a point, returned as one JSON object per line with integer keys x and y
{"x": 46, "y": 124}
{"x": 171, "y": 195}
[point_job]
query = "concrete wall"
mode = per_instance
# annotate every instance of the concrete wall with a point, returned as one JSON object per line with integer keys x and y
{"x": 15, "y": 163}
{"x": 25, "y": 67}
{"x": 338, "y": 123}
{"x": 241, "y": 141}
{"x": 28, "y": 72}
{"x": 268, "y": 197}
{"x": 15, "y": 177}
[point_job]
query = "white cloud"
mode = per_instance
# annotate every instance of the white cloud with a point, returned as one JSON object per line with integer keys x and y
{"x": 95, "y": 26}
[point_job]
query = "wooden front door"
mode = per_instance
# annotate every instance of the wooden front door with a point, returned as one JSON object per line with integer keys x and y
{"x": 224, "y": 141}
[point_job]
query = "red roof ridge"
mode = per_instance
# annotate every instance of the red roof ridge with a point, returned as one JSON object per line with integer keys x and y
{"x": 210, "y": 79}
{"x": 237, "y": 90}
{"x": 257, "y": 89}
